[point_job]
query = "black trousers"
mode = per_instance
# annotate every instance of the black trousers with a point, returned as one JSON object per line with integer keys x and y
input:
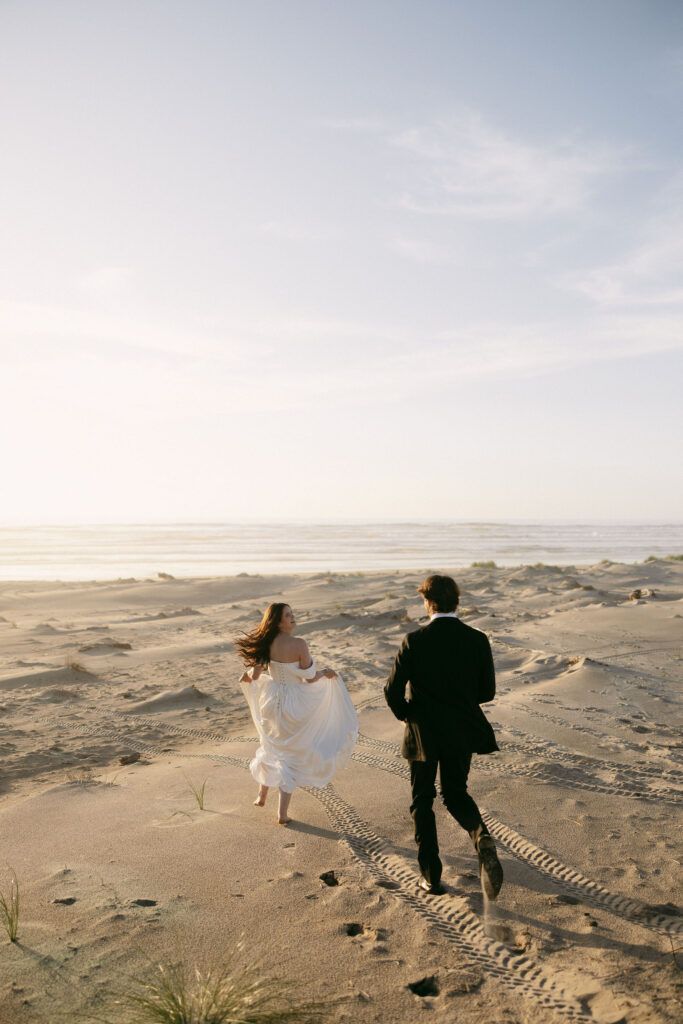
{"x": 454, "y": 766}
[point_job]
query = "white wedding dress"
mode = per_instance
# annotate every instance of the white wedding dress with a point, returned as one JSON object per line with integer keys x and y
{"x": 307, "y": 730}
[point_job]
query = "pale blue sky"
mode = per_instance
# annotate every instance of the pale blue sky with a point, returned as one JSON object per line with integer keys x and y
{"x": 304, "y": 259}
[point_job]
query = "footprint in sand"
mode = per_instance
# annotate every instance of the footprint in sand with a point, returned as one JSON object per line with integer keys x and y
{"x": 425, "y": 986}
{"x": 353, "y": 929}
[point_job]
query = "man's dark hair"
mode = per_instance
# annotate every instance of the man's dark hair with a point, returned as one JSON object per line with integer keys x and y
{"x": 441, "y": 591}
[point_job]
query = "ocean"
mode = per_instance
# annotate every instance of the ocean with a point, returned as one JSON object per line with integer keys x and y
{"x": 105, "y": 552}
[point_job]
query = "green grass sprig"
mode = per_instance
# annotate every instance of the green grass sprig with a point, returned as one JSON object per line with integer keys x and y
{"x": 9, "y": 908}
{"x": 197, "y": 792}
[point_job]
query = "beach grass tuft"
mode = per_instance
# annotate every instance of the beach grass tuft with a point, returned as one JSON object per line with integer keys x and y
{"x": 197, "y": 792}
{"x": 74, "y": 664}
{"x": 9, "y": 908}
{"x": 179, "y": 994}
{"x": 483, "y": 565}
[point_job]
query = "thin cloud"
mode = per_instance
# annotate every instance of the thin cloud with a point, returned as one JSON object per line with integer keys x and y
{"x": 468, "y": 168}
{"x": 651, "y": 273}
{"x": 61, "y": 328}
{"x": 288, "y": 363}
{"x": 535, "y": 349}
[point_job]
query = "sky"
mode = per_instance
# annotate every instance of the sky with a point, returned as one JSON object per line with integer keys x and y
{"x": 324, "y": 260}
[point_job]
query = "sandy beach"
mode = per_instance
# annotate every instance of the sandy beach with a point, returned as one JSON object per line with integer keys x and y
{"x": 119, "y": 867}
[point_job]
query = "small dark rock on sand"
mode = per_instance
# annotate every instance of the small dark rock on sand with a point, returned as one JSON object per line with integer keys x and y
{"x": 130, "y": 758}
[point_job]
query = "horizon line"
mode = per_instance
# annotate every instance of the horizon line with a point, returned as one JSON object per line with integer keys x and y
{"x": 346, "y": 521}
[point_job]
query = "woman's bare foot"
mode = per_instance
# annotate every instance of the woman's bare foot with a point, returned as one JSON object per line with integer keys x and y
{"x": 260, "y": 800}
{"x": 283, "y": 807}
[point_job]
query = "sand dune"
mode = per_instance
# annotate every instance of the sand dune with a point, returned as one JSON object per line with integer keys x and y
{"x": 583, "y": 798}
{"x": 54, "y": 676}
{"x": 186, "y": 696}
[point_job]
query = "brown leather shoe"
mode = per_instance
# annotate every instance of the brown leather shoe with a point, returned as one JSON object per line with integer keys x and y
{"x": 433, "y": 890}
{"x": 490, "y": 869}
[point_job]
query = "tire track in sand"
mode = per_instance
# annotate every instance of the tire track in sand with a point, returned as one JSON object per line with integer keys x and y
{"x": 635, "y": 785}
{"x": 536, "y": 857}
{"x": 571, "y": 881}
{"x": 566, "y": 878}
{"x": 515, "y": 971}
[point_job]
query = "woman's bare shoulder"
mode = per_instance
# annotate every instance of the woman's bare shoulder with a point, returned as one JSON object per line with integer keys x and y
{"x": 300, "y": 652}
{"x": 288, "y": 648}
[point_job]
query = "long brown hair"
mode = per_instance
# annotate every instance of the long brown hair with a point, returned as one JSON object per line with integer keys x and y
{"x": 254, "y": 647}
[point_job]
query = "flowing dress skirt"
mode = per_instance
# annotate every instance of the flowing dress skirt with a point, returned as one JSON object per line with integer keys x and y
{"x": 306, "y": 730}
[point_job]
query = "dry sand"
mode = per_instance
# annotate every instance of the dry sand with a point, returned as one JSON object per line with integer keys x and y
{"x": 117, "y": 863}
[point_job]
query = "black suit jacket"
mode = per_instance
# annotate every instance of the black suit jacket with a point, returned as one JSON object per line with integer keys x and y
{"x": 448, "y": 669}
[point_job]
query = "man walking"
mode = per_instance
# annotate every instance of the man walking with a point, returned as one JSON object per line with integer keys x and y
{"x": 448, "y": 667}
